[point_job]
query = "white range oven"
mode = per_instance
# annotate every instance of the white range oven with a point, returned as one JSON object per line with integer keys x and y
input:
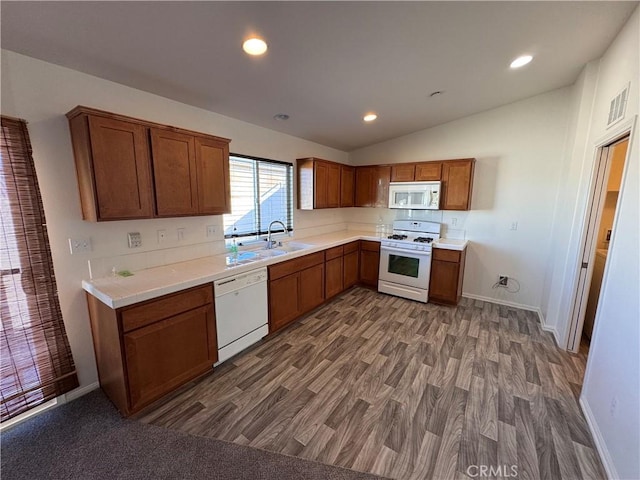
{"x": 405, "y": 259}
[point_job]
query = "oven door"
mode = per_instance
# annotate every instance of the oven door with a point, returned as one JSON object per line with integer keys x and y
{"x": 405, "y": 267}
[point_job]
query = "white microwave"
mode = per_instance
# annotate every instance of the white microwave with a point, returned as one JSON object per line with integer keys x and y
{"x": 415, "y": 195}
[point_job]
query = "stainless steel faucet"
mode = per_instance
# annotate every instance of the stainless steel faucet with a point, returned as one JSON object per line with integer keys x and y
{"x": 269, "y": 241}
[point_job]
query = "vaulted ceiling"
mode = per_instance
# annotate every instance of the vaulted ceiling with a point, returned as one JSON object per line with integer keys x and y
{"x": 328, "y": 63}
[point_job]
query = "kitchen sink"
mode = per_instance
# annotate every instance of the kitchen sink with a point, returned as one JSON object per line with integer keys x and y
{"x": 294, "y": 246}
{"x": 274, "y": 252}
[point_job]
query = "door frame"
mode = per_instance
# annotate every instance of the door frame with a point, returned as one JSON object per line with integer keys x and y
{"x": 591, "y": 220}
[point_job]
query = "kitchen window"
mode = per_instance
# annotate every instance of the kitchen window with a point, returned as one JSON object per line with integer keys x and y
{"x": 261, "y": 191}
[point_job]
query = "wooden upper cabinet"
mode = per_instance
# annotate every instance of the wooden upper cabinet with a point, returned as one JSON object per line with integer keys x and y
{"x": 403, "y": 172}
{"x": 347, "y": 186}
{"x": 457, "y": 184}
{"x": 319, "y": 183}
{"x": 381, "y": 185}
{"x": 113, "y": 168}
{"x": 428, "y": 171}
{"x": 365, "y": 194}
{"x": 372, "y": 186}
{"x": 212, "y": 168}
{"x": 129, "y": 168}
{"x": 174, "y": 172}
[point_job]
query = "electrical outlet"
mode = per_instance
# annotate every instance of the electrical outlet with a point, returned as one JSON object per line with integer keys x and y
{"x": 180, "y": 234}
{"x": 514, "y": 226}
{"x": 503, "y": 281}
{"x": 162, "y": 236}
{"x": 211, "y": 230}
{"x": 135, "y": 239}
{"x": 454, "y": 221}
{"x": 614, "y": 406}
{"x": 79, "y": 245}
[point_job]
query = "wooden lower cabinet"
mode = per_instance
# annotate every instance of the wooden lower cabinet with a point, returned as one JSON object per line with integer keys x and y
{"x": 311, "y": 288}
{"x": 447, "y": 270}
{"x": 351, "y": 264}
{"x": 146, "y": 350}
{"x": 369, "y": 263}
{"x": 334, "y": 279}
{"x": 295, "y": 287}
{"x": 284, "y": 302}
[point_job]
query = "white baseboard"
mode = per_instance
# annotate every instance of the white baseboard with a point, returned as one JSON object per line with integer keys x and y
{"x": 601, "y": 446}
{"x": 80, "y": 391}
{"x": 530, "y": 308}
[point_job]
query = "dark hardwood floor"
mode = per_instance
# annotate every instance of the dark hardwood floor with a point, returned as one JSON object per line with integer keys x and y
{"x": 402, "y": 389}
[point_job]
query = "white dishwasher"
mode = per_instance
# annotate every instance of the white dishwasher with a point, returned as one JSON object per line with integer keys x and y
{"x": 241, "y": 311}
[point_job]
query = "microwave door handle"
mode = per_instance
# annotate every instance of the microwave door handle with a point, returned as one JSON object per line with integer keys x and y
{"x": 406, "y": 252}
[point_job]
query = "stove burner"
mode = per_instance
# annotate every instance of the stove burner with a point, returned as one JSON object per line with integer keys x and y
{"x": 395, "y": 236}
{"x": 423, "y": 239}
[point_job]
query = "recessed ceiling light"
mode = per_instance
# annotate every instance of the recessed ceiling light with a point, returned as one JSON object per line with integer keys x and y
{"x": 521, "y": 61}
{"x": 254, "y": 46}
{"x": 281, "y": 116}
{"x": 370, "y": 117}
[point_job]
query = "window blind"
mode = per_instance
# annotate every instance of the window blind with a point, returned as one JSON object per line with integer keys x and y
{"x": 261, "y": 192}
{"x": 35, "y": 359}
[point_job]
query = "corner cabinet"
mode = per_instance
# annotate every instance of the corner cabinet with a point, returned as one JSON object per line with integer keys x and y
{"x": 130, "y": 169}
{"x": 447, "y": 271}
{"x": 149, "y": 349}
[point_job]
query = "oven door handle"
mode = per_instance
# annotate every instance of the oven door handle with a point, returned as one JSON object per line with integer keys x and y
{"x": 406, "y": 252}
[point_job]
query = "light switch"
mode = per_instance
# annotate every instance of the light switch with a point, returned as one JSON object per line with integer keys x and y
{"x": 180, "y": 234}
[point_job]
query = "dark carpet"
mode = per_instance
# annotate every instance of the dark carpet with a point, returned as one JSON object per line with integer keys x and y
{"x": 87, "y": 439}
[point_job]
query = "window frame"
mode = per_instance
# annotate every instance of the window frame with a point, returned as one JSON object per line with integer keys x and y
{"x": 256, "y": 236}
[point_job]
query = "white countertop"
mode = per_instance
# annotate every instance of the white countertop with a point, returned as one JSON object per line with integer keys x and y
{"x": 117, "y": 292}
{"x": 451, "y": 244}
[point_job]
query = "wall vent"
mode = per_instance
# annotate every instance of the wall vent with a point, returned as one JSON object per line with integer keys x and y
{"x": 618, "y": 106}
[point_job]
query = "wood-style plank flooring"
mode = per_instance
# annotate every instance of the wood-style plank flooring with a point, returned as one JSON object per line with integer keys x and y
{"x": 404, "y": 390}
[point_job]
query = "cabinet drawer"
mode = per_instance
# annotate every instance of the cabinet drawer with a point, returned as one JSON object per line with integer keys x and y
{"x": 280, "y": 270}
{"x": 446, "y": 255}
{"x": 369, "y": 246}
{"x": 334, "y": 252}
{"x": 164, "y": 307}
{"x": 350, "y": 247}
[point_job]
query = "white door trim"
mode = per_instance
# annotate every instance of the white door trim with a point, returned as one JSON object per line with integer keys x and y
{"x": 593, "y": 213}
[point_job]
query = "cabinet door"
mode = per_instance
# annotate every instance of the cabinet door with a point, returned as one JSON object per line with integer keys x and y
{"x": 212, "y": 169}
{"x": 166, "y": 354}
{"x": 121, "y": 168}
{"x": 350, "y": 268}
{"x": 403, "y": 172}
{"x": 311, "y": 288}
{"x": 443, "y": 286}
{"x": 284, "y": 304}
{"x": 369, "y": 266}
{"x": 320, "y": 184}
{"x": 457, "y": 182}
{"x": 428, "y": 171}
{"x": 381, "y": 186}
{"x": 333, "y": 185}
{"x": 174, "y": 172}
{"x": 347, "y": 186}
{"x": 333, "y": 276}
{"x": 365, "y": 196}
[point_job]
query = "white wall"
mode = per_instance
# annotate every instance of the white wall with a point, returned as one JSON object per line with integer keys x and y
{"x": 518, "y": 148}
{"x": 611, "y": 392}
{"x": 42, "y": 93}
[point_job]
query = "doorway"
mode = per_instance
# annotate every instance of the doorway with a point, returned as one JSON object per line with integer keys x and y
{"x": 600, "y": 230}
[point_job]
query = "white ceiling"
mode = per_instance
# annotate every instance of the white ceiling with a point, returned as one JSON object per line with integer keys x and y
{"x": 328, "y": 63}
